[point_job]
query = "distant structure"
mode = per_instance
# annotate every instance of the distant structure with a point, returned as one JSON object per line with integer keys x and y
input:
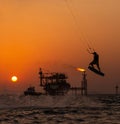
{"x": 116, "y": 89}
{"x": 84, "y": 84}
{"x": 54, "y": 83}
{"x": 83, "y": 87}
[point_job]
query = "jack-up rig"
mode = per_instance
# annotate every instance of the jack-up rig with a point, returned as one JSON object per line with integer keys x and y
{"x": 56, "y": 84}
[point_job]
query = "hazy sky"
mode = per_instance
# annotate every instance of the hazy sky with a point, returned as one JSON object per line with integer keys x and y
{"x": 53, "y": 34}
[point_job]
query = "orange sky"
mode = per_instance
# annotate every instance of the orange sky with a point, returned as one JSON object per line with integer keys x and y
{"x": 44, "y": 33}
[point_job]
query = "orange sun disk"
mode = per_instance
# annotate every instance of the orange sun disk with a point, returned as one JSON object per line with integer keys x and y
{"x": 14, "y": 78}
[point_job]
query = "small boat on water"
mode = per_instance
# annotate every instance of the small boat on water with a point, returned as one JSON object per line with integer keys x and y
{"x": 31, "y": 91}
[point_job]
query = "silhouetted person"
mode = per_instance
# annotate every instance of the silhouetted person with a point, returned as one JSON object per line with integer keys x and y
{"x": 95, "y": 60}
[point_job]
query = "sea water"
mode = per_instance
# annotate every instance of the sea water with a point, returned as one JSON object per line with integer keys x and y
{"x": 67, "y": 109}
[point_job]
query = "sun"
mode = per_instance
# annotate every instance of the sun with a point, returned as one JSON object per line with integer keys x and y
{"x": 14, "y": 78}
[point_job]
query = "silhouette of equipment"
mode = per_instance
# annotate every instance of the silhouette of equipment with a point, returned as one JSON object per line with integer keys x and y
{"x": 96, "y": 71}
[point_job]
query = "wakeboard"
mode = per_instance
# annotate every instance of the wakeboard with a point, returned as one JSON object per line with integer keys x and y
{"x": 96, "y": 71}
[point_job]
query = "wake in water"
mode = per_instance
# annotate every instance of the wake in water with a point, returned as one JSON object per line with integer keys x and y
{"x": 70, "y": 100}
{"x": 68, "y": 109}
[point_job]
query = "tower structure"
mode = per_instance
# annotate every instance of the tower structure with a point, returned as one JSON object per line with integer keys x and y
{"x": 116, "y": 88}
{"x": 84, "y": 84}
